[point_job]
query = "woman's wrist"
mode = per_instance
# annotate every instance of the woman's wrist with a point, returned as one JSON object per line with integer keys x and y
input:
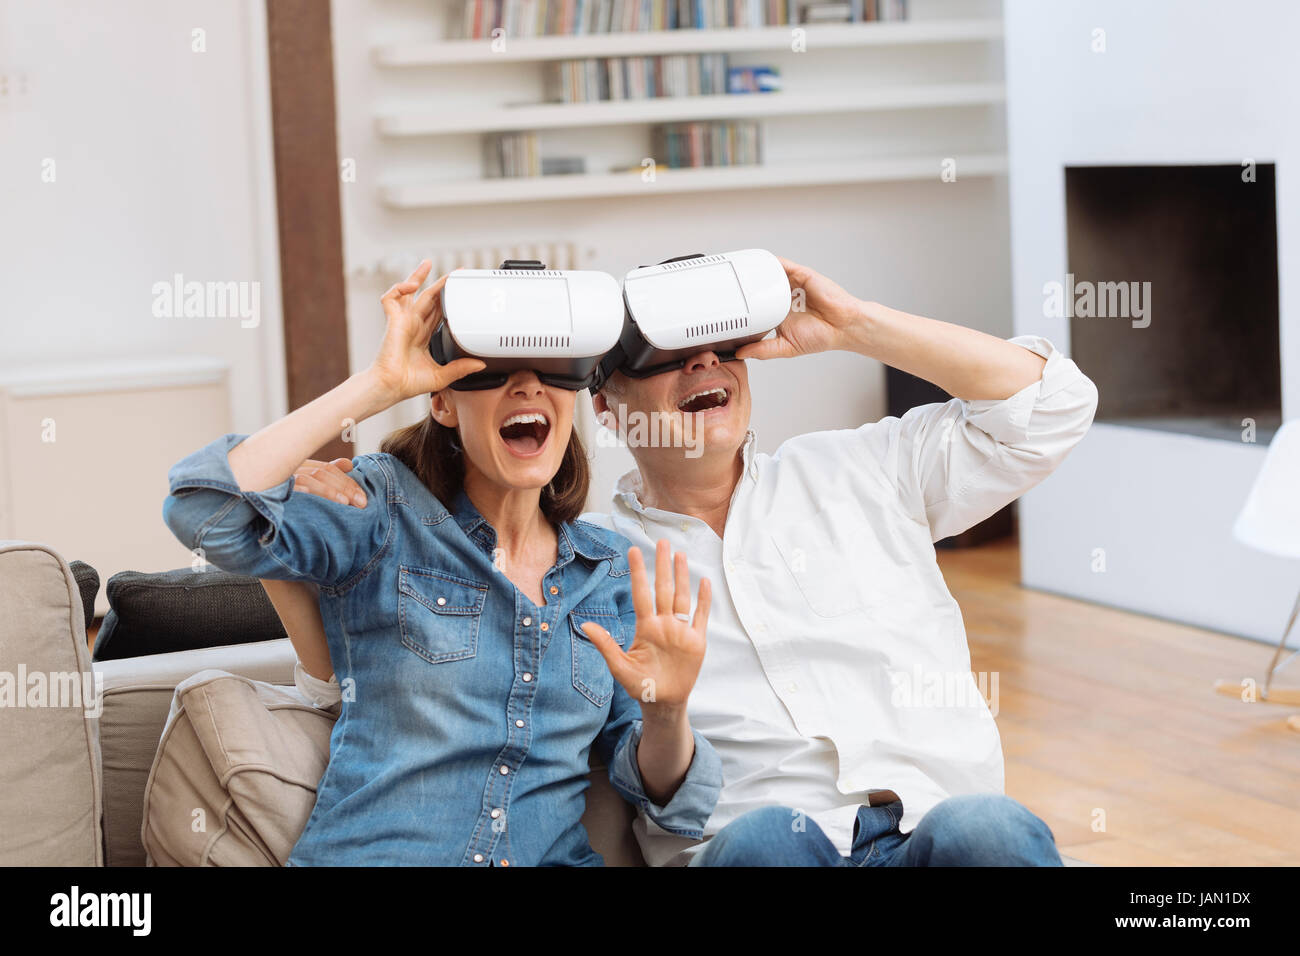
{"x": 269, "y": 457}
{"x": 376, "y": 393}
{"x": 665, "y": 718}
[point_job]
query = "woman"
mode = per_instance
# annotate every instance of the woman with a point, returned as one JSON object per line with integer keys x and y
{"x": 473, "y": 623}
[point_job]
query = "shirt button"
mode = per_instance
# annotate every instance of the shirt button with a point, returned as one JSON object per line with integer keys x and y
{"x": 554, "y": 589}
{"x": 519, "y": 723}
{"x": 686, "y": 526}
{"x": 527, "y": 621}
{"x": 527, "y": 677}
{"x": 504, "y": 771}
{"x": 441, "y": 601}
{"x": 505, "y": 862}
{"x": 496, "y": 814}
{"x": 792, "y": 687}
{"x": 478, "y": 857}
{"x": 545, "y": 626}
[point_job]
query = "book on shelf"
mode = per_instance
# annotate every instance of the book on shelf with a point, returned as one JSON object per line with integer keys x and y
{"x": 563, "y": 165}
{"x": 753, "y": 79}
{"x": 634, "y": 78}
{"x": 712, "y": 143}
{"x": 823, "y": 12}
{"x": 482, "y": 19}
{"x": 510, "y": 155}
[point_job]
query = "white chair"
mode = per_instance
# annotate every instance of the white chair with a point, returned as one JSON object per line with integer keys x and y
{"x": 1270, "y": 522}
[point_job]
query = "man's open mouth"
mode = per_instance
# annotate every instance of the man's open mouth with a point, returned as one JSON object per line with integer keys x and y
{"x": 525, "y": 433}
{"x": 703, "y": 401}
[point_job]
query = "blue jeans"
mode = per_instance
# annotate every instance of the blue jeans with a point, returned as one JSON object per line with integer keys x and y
{"x": 970, "y": 830}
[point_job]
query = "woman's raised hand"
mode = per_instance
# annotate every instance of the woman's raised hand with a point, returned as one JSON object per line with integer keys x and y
{"x": 666, "y": 655}
{"x": 404, "y": 366}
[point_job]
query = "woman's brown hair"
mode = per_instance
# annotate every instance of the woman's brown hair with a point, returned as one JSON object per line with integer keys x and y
{"x": 433, "y": 452}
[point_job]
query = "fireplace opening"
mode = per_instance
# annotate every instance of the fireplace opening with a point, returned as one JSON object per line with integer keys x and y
{"x": 1172, "y": 296}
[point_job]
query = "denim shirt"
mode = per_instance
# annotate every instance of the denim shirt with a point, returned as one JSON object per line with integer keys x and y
{"x": 468, "y": 712}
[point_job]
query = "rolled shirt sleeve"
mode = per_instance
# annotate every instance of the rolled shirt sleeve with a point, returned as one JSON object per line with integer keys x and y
{"x": 274, "y": 533}
{"x": 956, "y": 463}
{"x": 321, "y": 694}
{"x": 690, "y": 807}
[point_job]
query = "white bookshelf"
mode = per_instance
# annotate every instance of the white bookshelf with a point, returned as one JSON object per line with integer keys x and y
{"x": 906, "y": 92}
{"x": 666, "y": 109}
{"x": 662, "y": 42}
{"x": 705, "y": 179}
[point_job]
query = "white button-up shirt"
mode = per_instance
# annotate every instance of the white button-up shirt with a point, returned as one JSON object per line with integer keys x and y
{"x": 837, "y": 661}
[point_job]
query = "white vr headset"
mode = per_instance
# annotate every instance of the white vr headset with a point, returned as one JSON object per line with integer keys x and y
{"x": 694, "y": 303}
{"x": 575, "y": 329}
{"x": 523, "y": 315}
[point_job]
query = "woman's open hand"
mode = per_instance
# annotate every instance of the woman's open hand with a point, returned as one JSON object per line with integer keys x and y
{"x": 666, "y": 654}
{"x": 404, "y": 366}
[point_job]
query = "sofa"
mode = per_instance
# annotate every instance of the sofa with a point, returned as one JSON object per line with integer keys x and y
{"x": 75, "y": 775}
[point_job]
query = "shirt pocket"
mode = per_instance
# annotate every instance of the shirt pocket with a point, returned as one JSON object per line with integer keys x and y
{"x": 439, "y": 613}
{"x": 591, "y": 675}
{"x": 825, "y": 563}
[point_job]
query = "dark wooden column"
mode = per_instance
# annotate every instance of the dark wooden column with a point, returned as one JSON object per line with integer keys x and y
{"x": 307, "y": 202}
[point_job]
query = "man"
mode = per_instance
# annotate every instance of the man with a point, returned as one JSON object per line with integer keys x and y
{"x": 831, "y": 621}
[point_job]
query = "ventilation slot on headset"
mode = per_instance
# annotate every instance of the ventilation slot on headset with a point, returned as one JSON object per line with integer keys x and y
{"x": 692, "y": 263}
{"x": 533, "y": 341}
{"x": 712, "y": 328}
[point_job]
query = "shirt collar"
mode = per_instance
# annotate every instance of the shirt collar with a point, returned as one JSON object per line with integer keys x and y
{"x": 471, "y": 522}
{"x": 627, "y": 491}
{"x": 571, "y": 539}
{"x": 576, "y": 539}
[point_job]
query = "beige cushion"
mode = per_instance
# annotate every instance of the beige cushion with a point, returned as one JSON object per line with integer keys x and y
{"x": 234, "y": 780}
{"x": 235, "y": 776}
{"x": 49, "y": 756}
{"x": 138, "y": 693}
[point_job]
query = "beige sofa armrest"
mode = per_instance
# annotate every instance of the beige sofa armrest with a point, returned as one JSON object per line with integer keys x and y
{"x": 137, "y": 696}
{"x": 49, "y": 758}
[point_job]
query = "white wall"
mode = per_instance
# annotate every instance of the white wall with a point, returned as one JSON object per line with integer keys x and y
{"x": 161, "y": 167}
{"x": 933, "y": 248}
{"x": 1180, "y": 81}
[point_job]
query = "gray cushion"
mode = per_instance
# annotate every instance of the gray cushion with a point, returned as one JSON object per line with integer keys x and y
{"x": 87, "y": 579}
{"x": 182, "y": 610}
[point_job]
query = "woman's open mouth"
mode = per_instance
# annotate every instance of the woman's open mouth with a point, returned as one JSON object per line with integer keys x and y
{"x": 525, "y": 433}
{"x": 705, "y": 400}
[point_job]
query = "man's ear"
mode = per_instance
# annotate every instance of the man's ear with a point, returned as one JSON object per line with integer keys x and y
{"x": 600, "y": 403}
{"x": 442, "y": 406}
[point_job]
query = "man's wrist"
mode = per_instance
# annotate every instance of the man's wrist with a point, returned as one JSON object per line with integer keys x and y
{"x": 863, "y": 330}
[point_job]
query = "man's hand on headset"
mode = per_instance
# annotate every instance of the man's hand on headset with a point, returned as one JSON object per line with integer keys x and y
{"x": 329, "y": 479}
{"x": 823, "y": 317}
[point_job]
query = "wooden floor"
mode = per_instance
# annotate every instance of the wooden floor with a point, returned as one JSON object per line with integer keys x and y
{"x": 1107, "y": 712}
